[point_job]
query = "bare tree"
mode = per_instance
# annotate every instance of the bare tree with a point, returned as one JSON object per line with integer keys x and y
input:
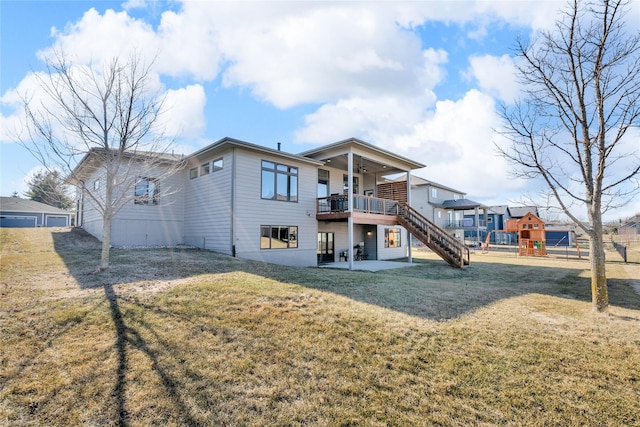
{"x": 101, "y": 127}
{"x": 571, "y": 129}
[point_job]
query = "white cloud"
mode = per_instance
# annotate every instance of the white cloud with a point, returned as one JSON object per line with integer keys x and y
{"x": 97, "y": 39}
{"x": 455, "y": 141}
{"x": 322, "y": 54}
{"x": 184, "y": 111}
{"x": 495, "y": 75}
{"x": 13, "y": 125}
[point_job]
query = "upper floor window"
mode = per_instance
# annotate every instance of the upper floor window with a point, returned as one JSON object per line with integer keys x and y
{"x": 204, "y": 169}
{"x": 147, "y": 191}
{"x": 217, "y": 164}
{"x": 323, "y": 183}
{"x": 193, "y": 173}
{"x": 456, "y": 196}
{"x": 279, "y": 182}
{"x": 96, "y": 184}
{"x": 345, "y": 184}
{"x": 434, "y": 192}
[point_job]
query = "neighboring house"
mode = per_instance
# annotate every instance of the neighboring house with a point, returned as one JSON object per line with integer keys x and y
{"x": 631, "y": 225}
{"x": 445, "y": 206}
{"x": 22, "y": 213}
{"x": 264, "y": 204}
{"x": 560, "y": 234}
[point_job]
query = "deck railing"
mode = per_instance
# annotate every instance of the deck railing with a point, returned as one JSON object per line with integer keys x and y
{"x": 364, "y": 204}
{"x": 465, "y": 223}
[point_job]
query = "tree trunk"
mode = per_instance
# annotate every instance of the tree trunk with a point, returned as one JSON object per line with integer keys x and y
{"x": 599, "y": 291}
{"x": 106, "y": 244}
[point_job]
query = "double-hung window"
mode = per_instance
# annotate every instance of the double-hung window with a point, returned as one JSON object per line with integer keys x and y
{"x": 279, "y": 182}
{"x": 147, "y": 191}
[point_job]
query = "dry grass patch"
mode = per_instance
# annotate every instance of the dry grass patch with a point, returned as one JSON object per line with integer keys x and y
{"x": 195, "y": 338}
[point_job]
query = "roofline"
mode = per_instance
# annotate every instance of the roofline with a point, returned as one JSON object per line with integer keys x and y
{"x": 54, "y": 210}
{"x": 232, "y": 142}
{"x": 69, "y": 180}
{"x": 366, "y": 145}
{"x": 432, "y": 183}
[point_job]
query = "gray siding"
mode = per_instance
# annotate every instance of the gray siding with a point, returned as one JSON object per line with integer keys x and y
{"x": 251, "y": 211}
{"x": 152, "y": 225}
{"x": 91, "y": 217}
{"x": 141, "y": 225}
{"x": 208, "y": 206}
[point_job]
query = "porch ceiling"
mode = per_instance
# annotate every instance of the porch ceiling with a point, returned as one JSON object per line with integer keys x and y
{"x": 362, "y": 165}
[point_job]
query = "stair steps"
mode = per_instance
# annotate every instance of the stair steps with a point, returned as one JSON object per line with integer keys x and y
{"x": 435, "y": 238}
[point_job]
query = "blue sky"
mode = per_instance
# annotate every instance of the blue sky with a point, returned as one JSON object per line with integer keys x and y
{"x": 421, "y": 78}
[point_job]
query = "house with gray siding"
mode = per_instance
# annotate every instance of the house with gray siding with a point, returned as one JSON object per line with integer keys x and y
{"x": 261, "y": 203}
{"x": 446, "y": 207}
{"x": 23, "y": 213}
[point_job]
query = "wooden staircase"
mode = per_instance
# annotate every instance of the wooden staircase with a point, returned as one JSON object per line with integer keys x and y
{"x": 436, "y": 239}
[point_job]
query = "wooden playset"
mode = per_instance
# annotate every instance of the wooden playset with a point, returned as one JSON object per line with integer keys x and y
{"x": 531, "y": 235}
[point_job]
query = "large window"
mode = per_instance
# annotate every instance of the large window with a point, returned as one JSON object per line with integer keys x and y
{"x": 279, "y": 182}
{"x": 323, "y": 183}
{"x": 147, "y": 191}
{"x": 278, "y": 237}
{"x": 392, "y": 238}
{"x": 345, "y": 184}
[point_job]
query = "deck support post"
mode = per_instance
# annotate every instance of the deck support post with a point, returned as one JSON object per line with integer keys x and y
{"x": 409, "y": 243}
{"x": 350, "y": 206}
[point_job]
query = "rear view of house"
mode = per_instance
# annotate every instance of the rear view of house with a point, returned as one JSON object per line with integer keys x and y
{"x": 264, "y": 204}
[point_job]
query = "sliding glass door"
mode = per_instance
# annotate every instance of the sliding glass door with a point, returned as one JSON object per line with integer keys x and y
{"x": 326, "y": 251}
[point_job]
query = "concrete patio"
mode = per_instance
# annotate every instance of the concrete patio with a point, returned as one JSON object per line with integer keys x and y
{"x": 368, "y": 265}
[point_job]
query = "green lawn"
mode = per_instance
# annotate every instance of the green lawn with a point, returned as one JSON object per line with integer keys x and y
{"x": 188, "y": 337}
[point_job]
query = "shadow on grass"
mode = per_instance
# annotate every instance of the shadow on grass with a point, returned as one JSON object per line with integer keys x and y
{"x": 432, "y": 290}
{"x": 127, "y": 336}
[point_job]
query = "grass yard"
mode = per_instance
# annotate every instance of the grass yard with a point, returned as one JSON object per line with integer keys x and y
{"x": 188, "y": 337}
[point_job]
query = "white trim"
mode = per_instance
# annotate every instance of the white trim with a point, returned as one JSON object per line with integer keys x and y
{"x": 46, "y": 218}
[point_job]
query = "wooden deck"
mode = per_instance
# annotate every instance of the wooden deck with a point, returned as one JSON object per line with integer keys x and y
{"x": 366, "y": 210}
{"x": 373, "y": 210}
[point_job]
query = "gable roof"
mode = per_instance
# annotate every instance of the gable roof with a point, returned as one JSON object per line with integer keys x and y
{"x": 520, "y": 211}
{"x": 16, "y": 204}
{"x": 498, "y": 210}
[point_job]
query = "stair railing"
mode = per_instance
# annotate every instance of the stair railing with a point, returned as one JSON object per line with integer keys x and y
{"x": 455, "y": 252}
